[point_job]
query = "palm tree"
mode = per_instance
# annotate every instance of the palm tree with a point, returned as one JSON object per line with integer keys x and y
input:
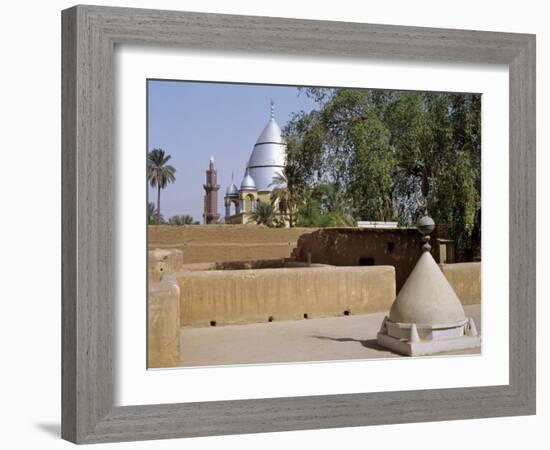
{"x": 264, "y": 214}
{"x": 334, "y": 202}
{"x": 152, "y": 214}
{"x": 186, "y": 219}
{"x": 287, "y": 192}
{"x": 159, "y": 173}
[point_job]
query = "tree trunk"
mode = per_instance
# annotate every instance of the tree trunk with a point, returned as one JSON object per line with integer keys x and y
{"x": 290, "y": 218}
{"x": 158, "y": 204}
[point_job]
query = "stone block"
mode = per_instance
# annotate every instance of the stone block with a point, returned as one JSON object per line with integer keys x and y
{"x": 161, "y": 261}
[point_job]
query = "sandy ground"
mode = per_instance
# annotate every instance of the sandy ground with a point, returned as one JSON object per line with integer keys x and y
{"x": 331, "y": 338}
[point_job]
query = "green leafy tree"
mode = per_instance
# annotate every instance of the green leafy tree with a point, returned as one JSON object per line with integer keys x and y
{"x": 264, "y": 214}
{"x": 152, "y": 214}
{"x": 351, "y": 147}
{"x": 310, "y": 214}
{"x": 334, "y": 202}
{"x": 159, "y": 173}
{"x": 181, "y": 220}
{"x": 371, "y": 169}
{"x": 413, "y": 147}
{"x": 388, "y": 154}
{"x": 323, "y": 206}
{"x": 306, "y": 139}
{"x": 287, "y": 192}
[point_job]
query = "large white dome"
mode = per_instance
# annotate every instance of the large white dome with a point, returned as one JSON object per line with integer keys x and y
{"x": 268, "y": 157}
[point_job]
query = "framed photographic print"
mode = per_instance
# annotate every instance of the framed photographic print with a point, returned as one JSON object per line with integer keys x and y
{"x": 277, "y": 224}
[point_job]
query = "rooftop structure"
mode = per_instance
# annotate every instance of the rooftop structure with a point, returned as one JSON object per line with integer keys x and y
{"x": 211, "y": 187}
{"x": 268, "y": 156}
{"x": 427, "y": 316}
{"x": 266, "y": 161}
{"x": 232, "y": 190}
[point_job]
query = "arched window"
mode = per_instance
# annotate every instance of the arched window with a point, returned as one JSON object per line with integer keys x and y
{"x": 249, "y": 203}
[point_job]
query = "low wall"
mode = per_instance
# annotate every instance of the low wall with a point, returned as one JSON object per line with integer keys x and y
{"x": 161, "y": 261}
{"x": 465, "y": 278}
{"x": 163, "y": 323}
{"x": 397, "y": 247}
{"x": 202, "y": 295}
{"x": 218, "y": 243}
{"x": 243, "y": 296}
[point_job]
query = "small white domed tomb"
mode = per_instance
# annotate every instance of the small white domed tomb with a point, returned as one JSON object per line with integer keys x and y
{"x": 427, "y": 316}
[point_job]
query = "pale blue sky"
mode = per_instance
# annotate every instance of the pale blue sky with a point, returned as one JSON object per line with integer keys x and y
{"x": 193, "y": 121}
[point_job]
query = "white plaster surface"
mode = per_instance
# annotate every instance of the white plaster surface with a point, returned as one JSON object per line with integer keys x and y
{"x": 427, "y": 297}
{"x": 431, "y": 347}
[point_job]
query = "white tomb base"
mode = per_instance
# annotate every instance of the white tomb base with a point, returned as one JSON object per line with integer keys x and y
{"x": 418, "y": 340}
{"x": 427, "y": 316}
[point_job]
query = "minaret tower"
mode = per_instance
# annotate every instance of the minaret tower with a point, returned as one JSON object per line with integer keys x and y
{"x": 211, "y": 188}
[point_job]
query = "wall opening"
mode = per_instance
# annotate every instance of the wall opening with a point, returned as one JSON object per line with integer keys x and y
{"x": 366, "y": 261}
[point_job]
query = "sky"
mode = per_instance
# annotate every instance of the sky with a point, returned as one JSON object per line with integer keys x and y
{"x": 193, "y": 121}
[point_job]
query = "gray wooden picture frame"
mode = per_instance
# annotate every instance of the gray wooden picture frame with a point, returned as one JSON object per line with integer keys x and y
{"x": 90, "y": 34}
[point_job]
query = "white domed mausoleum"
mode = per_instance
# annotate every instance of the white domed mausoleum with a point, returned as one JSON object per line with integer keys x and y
{"x": 266, "y": 161}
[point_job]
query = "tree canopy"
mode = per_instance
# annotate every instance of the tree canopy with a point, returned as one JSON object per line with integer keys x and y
{"x": 184, "y": 219}
{"x": 264, "y": 214}
{"x": 376, "y": 151}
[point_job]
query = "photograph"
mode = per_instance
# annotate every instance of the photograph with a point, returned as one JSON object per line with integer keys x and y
{"x": 275, "y": 225}
{"x": 290, "y": 224}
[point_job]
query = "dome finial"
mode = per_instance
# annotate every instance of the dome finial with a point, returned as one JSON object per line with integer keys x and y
{"x": 425, "y": 225}
{"x": 272, "y": 109}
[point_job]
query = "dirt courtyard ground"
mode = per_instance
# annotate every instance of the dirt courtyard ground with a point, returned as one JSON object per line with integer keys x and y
{"x": 331, "y": 338}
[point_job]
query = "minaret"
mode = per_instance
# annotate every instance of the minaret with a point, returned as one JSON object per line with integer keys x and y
{"x": 211, "y": 188}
